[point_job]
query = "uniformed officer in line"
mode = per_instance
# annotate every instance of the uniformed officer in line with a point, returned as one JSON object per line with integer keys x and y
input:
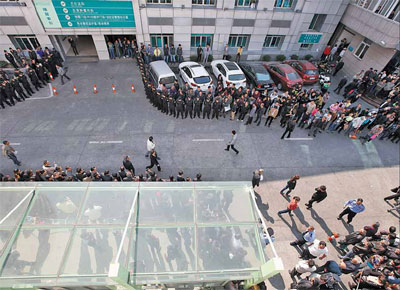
{"x": 41, "y": 73}
{"x": 207, "y": 107}
{"x": 10, "y": 93}
{"x": 164, "y": 102}
{"x": 18, "y": 89}
{"x": 171, "y": 106}
{"x": 3, "y": 98}
{"x": 180, "y": 107}
{"x": 198, "y": 103}
{"x": 34, "y": 79}
{"x": 24, "y": 81}
{"x": 189, "y": 107}
{"x": 216, "y": 108}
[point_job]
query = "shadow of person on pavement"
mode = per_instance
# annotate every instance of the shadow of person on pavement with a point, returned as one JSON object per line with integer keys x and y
{"x": 293, "y": 228}
{"x": 300, "y": 216}
{"x": 263, "y": 208}
{"x": 325, "y": 227}
{"x": 348, "y": 227}
{"x": 277, "y": 282}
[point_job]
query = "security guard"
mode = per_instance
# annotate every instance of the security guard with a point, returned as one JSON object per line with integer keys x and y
{"x": 189, "y": 107}
{"x": 3, "y": 97}
{"x": 164, "y": 102}
{"x": 207, "y": 108}
{"x": 24, "y": 81}
{"x": 180, "y": 107}
{"x": 18, "y": 89}
{"x": 171, "y": 105}
{"x": 197, "y": 107}
{"x": 34, "y": 79}
{"x": 216, "y": 108}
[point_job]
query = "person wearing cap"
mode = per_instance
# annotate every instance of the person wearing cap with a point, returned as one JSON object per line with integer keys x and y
{"x": 257, "y": 177}
{"x": 319, "y": 195}
{"x": 351, "y": 208}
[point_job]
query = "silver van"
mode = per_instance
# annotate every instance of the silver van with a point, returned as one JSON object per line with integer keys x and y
{"x": 160, "y": 72}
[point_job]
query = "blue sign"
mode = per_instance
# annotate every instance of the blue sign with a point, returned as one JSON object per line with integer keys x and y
{"x": 310, "y": 37}
{"x": 85, "y": 14}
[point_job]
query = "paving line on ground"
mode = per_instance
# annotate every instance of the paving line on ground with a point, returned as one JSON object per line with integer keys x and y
{"x": 299, "y": 139}
{"x": 208, "y": 140}
{"x": 15, "y": 144}
{"x": 106, "y": 142}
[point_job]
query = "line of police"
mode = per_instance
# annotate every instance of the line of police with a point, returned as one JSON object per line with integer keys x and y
{"x": 37, "y": 68}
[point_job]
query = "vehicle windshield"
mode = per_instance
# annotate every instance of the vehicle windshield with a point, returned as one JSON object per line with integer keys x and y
{"x": 202, "y": 80}
{"x": 262, "y": 77}
{"x": 237, "y": 77}
{"x": 311, "y": 72}
{"x": 167, "y": 80}
{"x": 293, "y": 76}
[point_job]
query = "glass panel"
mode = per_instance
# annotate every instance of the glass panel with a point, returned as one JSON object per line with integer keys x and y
{"x": 228, "y": 248}
{"x": 93, "y": 249}
{"x": 27, "y": 43}
{"x": 203, "y": 41}
{"x": 193, "y": 41}
{"x": 20, "y": 43}
{"x": 4, "y": 237}
{"x": 360, "y": 48}
{"x": 153, "y": 41}
{"x": 227, "y": 205}
{"x": 163, "y": 250}
{"x": 55, "y": 206}
{"x": 10, "y": 198}
{"x": 106, "y": 205}
{"x": 37, "y": 252}
{"x": 165, "y": 205}
{"x": 364, "y": 51}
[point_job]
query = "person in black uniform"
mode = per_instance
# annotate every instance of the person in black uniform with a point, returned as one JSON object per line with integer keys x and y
{"x": 216, "y": 108}
{"x": 9, "y": 90}
{"x": 18, "y": 89}
{"x": 3, "y": 98}
{"x": 171, "y": 105}
{"x": 197, "y": 106}
{"x": 41, "y": 74}
{"x": 189, "y": 107}
{"x": 319, "y": 195}
{"x": 154, "y": 161}
{"x": 180, "y": 107}
{"x": 24, "y": 81}
{"x": 291, "y": 124}
{"x": 34, "y": 79}
{"x": 207, "y": 108}
{"x": 10, "y": 58}
{"x": 164, "y": 103}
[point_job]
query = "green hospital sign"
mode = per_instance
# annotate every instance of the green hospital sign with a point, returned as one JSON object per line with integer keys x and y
{"x": 310, "y": 37}
{"x": 85, "y": 13}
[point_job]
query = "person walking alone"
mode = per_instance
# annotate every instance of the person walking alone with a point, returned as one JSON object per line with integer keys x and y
{"x": 72, "y": 42}
{"x": 341, "y": 84}
{"x": 9, "y": 152}
{"x": 150, "y": 146}
{"x": 62, "y": 73}
{"x": 293, "y": 204}
{"x": 231, "y": 143}
{"x": 291, "y": 185}
{"x": 351, "y": 208}
{"x": 319, "y": 195}
{"x": 257, "y": 177}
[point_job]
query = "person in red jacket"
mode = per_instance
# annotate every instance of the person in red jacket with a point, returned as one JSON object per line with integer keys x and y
{"x": 327, "y": 51}
{"x": 293, "y": 204}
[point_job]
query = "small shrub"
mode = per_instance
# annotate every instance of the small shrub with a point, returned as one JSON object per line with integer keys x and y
{"x": 193, "y": 58}
{"x": 210, "y": 58}
{"x": 294, "y": 56}
{"x": 280, "y": 57}
{"x": 308, "y": 57}
{"x": 266, "y": 57}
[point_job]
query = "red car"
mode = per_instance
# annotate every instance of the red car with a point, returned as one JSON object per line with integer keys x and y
{"x": 284, "y": 76}
{"x": 306, "y": 70}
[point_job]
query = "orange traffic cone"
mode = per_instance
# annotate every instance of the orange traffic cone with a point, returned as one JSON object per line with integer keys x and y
{"x": 333, "y": 237}
{"x": 75, "y": 91}
{"x": 113, "y": 88}
{"x": 133, "y": 88}
{"x": 55, "y": 91}
{"x": 94, "y": 89}
{"x": 51, "y": 76}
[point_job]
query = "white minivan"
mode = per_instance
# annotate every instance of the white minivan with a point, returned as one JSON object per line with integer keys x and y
{"x": 160, "y": 72}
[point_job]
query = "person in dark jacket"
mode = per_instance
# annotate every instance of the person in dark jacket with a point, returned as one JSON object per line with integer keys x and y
{"x": 338, "y": 67}
{"x": 319, "y": 195}
{"x": 291, "y": 185}
{"x": 10, "y": 58}
{"x": 128, "y": 165}
{"x": 34, "y": 79}
{"x": 166, "y": 53}
{"x": 257, "y": 177}
{"x": 3, "y": 98}
{"x": 341, "y": 84}
{"x": 199, "y": 53}
{"x": 24, "y": 81}
{"x": 154, "y": 161}
{"x": 72, "y": 42}
{"x": 291, "y": 124}
{"x": 18, "y": 89}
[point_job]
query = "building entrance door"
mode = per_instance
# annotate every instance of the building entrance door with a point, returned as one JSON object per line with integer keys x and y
{"x": 120, "y": 46}
{"x": 84, "y": 45}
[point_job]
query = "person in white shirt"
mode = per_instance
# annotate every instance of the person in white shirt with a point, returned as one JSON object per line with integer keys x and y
{"x": 317, "y": 250}
{"x": 303, "y": 266}
{"x": 150, "y": 146}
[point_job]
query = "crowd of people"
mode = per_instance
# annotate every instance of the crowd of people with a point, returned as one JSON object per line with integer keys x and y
{"x": 305, "y": 108}
{"x": 33, "y": 69}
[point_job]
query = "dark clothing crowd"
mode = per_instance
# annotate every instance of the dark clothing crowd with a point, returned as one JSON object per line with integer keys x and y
{"x": 33, "y": 70}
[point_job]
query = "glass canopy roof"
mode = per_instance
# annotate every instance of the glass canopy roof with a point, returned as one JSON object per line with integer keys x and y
{"x": 69, "y": 233}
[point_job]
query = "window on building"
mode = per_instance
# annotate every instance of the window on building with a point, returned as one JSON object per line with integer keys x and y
{"x": 159, "y": 1}
{"x": 362, "y": 49}
{"x": 306, "y": 46}
{"x": 237, "y": 40}
{"x": 283, "y": 3}
{"x": 274, "y": 41}
{"x": 317, "y": 22}
{"x": 204, "y": 2}
{"x": 201, "y": 39}
{"x": 25, "y": 42}
{"x": 387, "y": 8}
{"x": 160, "y": 39}
{"x": 244, "y": 3}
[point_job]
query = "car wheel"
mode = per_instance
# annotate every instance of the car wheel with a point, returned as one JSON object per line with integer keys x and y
{"x": 279, "y": 86}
